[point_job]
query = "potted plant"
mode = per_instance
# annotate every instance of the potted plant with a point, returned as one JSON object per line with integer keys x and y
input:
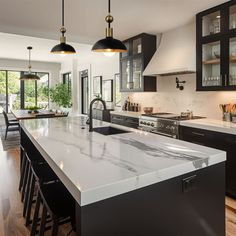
{"x": 33, "y": 109}
{"x": 60, "y": 95}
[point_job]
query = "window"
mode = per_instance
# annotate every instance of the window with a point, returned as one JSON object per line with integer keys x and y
{"x": 67, "y": 80}
{"x": 16, "y": 94}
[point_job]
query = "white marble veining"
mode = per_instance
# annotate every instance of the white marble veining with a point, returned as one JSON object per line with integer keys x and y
{"x": 95, "y": 167}
{"x": 212, "y": 125}
{"x": 127, "y": 113}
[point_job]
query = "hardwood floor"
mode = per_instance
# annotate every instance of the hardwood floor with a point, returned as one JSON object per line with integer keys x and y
{"x": 11, "y": 219}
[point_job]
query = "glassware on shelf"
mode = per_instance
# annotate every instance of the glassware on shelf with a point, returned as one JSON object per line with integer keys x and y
{"x": 216, "y": 24}
{"x": 211, "y": 24}
{"x": 232, "y": 17}
{"x": 232, "y": 79}
{"x": 211, "y": 81}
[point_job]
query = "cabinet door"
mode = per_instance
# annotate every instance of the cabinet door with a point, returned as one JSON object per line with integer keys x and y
{"x": 136, "y": 46}
{"x": 212, "y": 73}
{"x": 232, "y": 17}
{"x": 126, "y": 81}
{"x": 137, "y": 71}
{"x": 211, "y": 23}
{"x": 231, "y": 73}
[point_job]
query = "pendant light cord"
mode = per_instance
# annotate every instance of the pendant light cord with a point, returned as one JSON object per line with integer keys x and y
{"x": 109, "y": 12}
{"x": 63, "y": 18}
{"x": 109, "y": 6}
{"x": 29, "y": 59}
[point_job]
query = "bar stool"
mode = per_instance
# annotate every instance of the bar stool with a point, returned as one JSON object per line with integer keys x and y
{"x": 22, "y": 166}
{"x": 28, "y": 159}
{"x": 41, "y": 174}
{"x": 58, "y": 203}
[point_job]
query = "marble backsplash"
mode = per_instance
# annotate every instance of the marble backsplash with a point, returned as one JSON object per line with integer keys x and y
{"x": 170, "y": 99}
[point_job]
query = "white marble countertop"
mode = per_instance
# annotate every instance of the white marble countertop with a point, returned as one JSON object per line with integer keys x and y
{"x": 212, "y": 125}
{"x": 94, "y": 167}
{"x": 127, "y": 113}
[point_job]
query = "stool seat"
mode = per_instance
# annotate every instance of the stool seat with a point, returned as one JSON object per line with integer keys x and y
{"x": 43, "y": 172}
{"x": 58, "y": 200}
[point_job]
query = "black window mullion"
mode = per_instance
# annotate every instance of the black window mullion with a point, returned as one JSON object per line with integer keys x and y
{"x": 22, "y": 92}
{"x": 36, "y": 93}
{"x": 6, "y": 79}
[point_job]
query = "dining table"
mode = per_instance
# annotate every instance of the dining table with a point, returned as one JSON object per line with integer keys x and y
{"x": 23, "y": 114}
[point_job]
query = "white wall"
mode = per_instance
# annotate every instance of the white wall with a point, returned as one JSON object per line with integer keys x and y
{"x": 97, "y": 65}
{"x": 170, "y": 99}
{"x": 52, "y": 68}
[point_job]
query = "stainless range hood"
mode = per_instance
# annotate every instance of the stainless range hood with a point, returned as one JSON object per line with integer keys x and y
{"x": 176, "y": 53}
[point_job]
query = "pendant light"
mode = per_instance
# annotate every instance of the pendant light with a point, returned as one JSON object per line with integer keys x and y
{"x": 63, "y": 48}
{"x": 29, "y": 75}
{"x": 109, "y": 45}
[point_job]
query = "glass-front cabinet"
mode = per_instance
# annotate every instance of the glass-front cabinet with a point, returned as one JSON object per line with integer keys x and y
{"x": 141, "y": 48}
{"x": 211, "y": 23}
{"x": 232, "y": 61}
{"x": 211, "y": 60}
{"x": 216, "y": 48}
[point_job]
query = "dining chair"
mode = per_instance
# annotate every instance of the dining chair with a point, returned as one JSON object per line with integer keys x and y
{"x": 11, "y": 125}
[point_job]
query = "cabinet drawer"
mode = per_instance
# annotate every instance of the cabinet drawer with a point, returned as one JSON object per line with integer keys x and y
{"x": 218, "y": 140}
{"x": 125, "y": 121}
{"x": 117, "y": 118}
{"x": 193, "y": 135}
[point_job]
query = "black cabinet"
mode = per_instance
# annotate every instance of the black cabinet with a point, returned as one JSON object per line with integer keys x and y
{"x": 222, "y": 141}
{"x": 127, "y": 121}
{"x": 141, "y": 48}
{"x": 216, "y": 48}
{"x": 103, "y": 115}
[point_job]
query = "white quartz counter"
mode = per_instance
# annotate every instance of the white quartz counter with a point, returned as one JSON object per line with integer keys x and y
{"x": 94, "y": 167}
{"x": 212, "y": 125}
{"x": 127, "y": 113}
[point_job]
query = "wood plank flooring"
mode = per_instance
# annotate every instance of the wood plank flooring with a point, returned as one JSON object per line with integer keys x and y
{"x": 11, "y": 220}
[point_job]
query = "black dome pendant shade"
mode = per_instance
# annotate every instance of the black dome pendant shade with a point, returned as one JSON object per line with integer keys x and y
{"x": 29, "y": 75}
{"x": 109, "y": 44}
{"x": 63, "y": 47}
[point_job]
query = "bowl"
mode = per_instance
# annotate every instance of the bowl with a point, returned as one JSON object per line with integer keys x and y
{"x": 148, "y": 110}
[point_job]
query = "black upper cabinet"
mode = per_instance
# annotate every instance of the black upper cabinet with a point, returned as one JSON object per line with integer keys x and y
{"x": 141, "y": 48}
{"x": 216, "y": 48}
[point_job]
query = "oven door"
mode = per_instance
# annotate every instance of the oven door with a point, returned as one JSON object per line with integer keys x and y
{"x": 167, "y": 127}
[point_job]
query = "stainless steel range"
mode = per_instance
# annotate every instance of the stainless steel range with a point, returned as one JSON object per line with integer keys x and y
{"x": 163, "y": 123}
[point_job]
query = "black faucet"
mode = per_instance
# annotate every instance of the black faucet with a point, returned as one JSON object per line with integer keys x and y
{"x": 91, "y": 111}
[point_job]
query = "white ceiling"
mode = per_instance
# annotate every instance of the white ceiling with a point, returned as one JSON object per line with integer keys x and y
{"x": 85, "y": 18}
{"x": 15, "y": 47}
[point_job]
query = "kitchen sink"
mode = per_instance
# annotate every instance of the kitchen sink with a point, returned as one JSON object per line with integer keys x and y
{"x": 108, "y": 130}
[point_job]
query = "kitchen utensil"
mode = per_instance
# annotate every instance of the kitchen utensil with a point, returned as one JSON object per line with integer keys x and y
{"x": 233, "y": 108}
{"x": 148, "y": 110}
{"x": 222, "y": 107}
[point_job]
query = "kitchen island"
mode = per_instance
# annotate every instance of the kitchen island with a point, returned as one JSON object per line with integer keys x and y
{"x": 135, "y": 183}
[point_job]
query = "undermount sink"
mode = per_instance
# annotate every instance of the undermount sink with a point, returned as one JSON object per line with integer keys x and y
{"x": 108, "y": 130}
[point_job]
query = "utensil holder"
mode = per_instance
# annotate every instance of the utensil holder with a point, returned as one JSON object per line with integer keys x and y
{"x": 226, "y": 116}
{"x": 233, "y": 119}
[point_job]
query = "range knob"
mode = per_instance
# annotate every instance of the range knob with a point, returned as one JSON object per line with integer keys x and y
{"x": 148, "y": 124}
{"x": 152, "y": 124}
{"x": 141, "y": 122}
{"x": 144, "y": 123}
